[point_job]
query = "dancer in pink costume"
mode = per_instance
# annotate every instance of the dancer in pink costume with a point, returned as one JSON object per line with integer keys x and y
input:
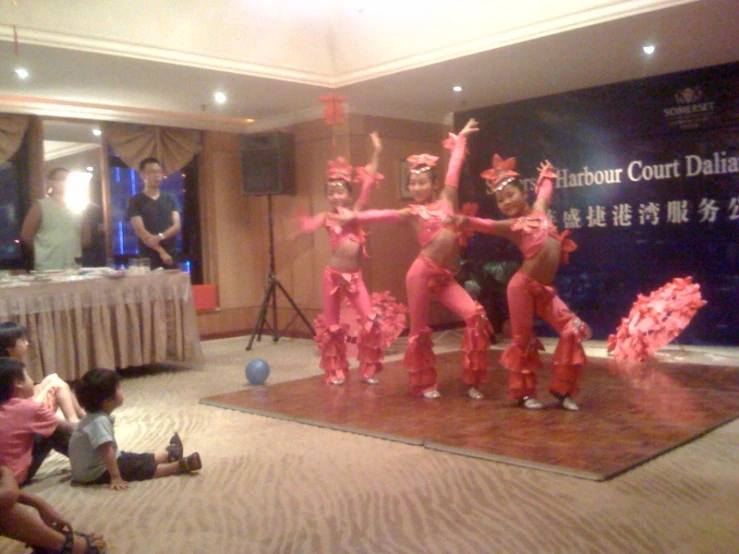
{"x": 530, "y": 290}
{"x": 431, "y": 218}
{"x": 343, "y": 276}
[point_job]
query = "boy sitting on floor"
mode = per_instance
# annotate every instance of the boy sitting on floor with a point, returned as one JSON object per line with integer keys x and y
{"x": 93, "y": 450}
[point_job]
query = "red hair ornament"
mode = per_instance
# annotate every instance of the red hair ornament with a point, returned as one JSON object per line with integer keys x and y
{"x": 421, "y": 162}
{"x": 339, "y": 169}
{"x": 501, "y": 173}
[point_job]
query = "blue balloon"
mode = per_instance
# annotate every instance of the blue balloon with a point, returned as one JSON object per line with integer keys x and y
{"x": 257, "y": 371}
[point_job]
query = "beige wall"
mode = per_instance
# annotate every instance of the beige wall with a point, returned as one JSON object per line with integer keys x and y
{"x": 234, "y": 226}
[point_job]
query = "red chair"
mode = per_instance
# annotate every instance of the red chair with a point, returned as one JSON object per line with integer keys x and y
{"x": 206, "y": 298}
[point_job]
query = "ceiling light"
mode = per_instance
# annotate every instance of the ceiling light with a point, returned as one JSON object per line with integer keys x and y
{"x": 220, "y": 97}
{"x": 97, "y": 132}
{"x": 22, "y": 73}
{"x": 457, "y": 88}
{"x": 90, "y": 168}
{"x": 648, "y": 49}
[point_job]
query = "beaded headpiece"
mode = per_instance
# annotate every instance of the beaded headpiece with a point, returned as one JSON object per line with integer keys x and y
{"x": 338, "y": 169}
{"x": 418, "y": 163}
{"x": 501, "y": 174}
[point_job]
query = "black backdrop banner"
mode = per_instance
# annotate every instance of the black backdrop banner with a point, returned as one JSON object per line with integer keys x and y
{"x": 647, "y": 182}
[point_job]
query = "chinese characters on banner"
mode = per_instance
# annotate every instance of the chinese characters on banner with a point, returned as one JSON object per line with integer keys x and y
{"x": 675, "y": 212}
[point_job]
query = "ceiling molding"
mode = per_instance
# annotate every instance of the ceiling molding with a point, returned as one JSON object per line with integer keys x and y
{"x": 98, "y": 112}
{"x": 161, "y": 55}
{"x": 501, "y": 38}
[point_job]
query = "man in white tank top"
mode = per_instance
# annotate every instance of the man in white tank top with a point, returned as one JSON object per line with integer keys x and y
{"x": 54, "y": 232}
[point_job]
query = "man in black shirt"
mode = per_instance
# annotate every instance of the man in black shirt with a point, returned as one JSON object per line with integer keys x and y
{"x": 155, "y": 217}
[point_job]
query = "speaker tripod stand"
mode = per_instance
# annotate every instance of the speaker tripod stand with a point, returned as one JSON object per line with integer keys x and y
{"x": 270, "y": 295}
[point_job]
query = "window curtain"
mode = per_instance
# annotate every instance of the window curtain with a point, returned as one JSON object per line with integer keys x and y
{"x": 12, "y": 130}
{"x": 174, "y": 148}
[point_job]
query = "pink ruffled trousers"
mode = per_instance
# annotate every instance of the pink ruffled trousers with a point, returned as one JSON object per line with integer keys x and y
{"x": 527, "y": 297}
{"x": 424, "y": 279}
{"x": 332, "y": 341}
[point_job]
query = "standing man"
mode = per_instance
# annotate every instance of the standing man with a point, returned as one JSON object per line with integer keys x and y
{"x": 155, "y": 217}
{"x": 54, "y": 232}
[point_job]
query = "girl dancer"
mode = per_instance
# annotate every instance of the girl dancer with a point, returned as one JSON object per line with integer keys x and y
{"x": 343, "y": 277}
{"x": 530, "y": 290}
{"x": 431, "y": 218}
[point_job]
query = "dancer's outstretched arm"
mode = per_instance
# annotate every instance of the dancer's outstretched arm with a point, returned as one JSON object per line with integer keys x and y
{"x": 544, "y": 186}
{"x": 458, "y": 144}
{"x": 498, "y": 227}
{"x": 368, "y": 175}
{"x": 303, "y": 224}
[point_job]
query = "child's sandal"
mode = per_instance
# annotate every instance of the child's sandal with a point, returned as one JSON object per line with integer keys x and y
{"x": 93, "y": 545}
{"x": 175, "y": 449}
{"x": 191, "y": 463}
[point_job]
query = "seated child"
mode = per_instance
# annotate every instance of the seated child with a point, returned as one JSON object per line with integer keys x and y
{"x": 93, "y": 451}
{"x": 53, "y": 392}
{"x": 28, "y": 430}
{"x": 46, "y": 532}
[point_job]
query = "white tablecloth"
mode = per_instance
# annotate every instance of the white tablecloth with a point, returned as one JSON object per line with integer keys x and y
{"x": 80, "y": 322}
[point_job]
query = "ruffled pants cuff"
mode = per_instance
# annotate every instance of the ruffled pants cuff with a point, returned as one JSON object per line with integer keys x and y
{"x": 569, "y": 358}
{"x": 521, "y": 384}
{"x": 519, "y": 358}
{"x": 369, "y": 369}
{"x": 475, "y": 344}
{"x": 332, "y": 343}
{"x": 420, "y": 361}
{"x": 370, "y": 349}
{"x": 422, "y": 380}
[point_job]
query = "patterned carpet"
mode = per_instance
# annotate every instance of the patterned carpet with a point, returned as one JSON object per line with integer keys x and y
{"x": 276, "y": 486}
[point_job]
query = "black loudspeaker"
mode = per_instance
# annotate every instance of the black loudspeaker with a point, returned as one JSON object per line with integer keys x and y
{"x": 268, "y": 163}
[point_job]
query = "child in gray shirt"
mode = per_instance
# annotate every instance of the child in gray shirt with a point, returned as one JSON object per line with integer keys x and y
{"x": 93, "y": 451}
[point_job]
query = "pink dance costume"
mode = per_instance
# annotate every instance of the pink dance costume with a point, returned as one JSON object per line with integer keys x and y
{"x": 426, "y": 278}
{"x": 527, "y": 297}
{"x": 337, "y": 285}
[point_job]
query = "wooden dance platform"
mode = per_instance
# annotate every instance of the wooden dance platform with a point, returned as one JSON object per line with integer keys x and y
{"x": 630, "y": 412}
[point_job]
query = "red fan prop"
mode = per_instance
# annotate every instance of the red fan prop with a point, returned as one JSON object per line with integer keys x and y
{"x": 655, "y": 320}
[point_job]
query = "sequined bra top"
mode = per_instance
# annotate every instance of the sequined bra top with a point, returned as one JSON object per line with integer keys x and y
{"x": 433, "y": 218}
{"x": 534, "y": 229}
{"x": 338, "y": 235}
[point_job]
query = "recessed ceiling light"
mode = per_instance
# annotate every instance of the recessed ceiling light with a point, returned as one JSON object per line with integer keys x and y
{"x": 220, "y": 97}
{"x": 22, "y": 73}
{"x": 457, "y": 88}
{"x": 90, "y": 168}
{"x": 648, "y": 49}
{"x": 97, "y": 132}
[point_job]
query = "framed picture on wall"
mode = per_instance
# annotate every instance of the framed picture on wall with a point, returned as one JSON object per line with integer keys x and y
{"x": 403, "y": 192}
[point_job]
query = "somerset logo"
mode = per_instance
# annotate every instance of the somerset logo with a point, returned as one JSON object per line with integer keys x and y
{"x": 692, "y": 110}
{"x": 688, "y": 95}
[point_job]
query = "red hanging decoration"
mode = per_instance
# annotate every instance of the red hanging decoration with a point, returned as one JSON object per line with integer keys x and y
{"x": 333, "y": 112}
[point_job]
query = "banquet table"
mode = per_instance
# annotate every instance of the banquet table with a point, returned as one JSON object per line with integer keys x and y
{"x": 78, "y": 321}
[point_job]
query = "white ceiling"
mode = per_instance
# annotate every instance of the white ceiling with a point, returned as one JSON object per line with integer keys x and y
{"x": 160, "y": 62}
